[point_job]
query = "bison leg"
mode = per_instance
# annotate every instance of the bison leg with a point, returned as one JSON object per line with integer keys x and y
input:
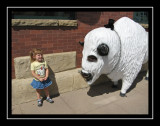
{"x": 125, "y": 86}
{"x": 146, "y": 78}
{"x": 115, "y": 83}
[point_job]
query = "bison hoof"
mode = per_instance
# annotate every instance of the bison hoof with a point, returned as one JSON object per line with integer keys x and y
{"x": 146, "y": 78}
{"x": 122, "y": 95}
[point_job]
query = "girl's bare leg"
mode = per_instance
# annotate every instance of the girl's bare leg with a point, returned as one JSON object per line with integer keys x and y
{"x": 48, "y": 99}
{"x": 38, "y": 92}
{"x": 46, "y": 91}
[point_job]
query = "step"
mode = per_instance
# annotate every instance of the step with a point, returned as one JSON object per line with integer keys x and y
{"x": 63, "y": 82}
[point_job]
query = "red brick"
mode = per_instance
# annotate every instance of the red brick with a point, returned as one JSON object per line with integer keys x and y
{"x": 36, "y": 32}
{"x": 36, "y": 39}
{"x": 60, "y": 39}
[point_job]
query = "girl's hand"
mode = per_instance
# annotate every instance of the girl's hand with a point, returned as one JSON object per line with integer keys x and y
{"x": 41, "y": 79}
{"x": 45, "y": 78}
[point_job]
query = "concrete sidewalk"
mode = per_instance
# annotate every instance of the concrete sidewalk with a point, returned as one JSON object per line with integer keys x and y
{"x": 97, "y": 99}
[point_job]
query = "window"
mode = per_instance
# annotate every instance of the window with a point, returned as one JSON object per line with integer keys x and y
{"x": 141, "y": 17}
{"x": 67, "y": 15}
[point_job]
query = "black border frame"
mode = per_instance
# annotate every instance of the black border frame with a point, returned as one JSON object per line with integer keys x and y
{"x": 9, "y": 116}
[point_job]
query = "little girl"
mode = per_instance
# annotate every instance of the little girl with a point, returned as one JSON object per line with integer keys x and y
{"x": 40, "y": 72}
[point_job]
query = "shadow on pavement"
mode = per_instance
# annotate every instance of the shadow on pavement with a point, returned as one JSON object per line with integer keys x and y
{"x": 100, "y": 89}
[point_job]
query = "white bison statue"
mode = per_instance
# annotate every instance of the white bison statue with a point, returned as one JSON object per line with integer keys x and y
{"x": 118, "y": 50}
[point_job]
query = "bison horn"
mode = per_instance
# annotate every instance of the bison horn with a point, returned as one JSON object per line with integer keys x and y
{"x": 81, "y": 43}
{"x": 110, "y": 24}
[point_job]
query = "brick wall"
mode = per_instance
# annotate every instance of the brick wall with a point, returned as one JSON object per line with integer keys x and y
{"x": 59, "y": 39}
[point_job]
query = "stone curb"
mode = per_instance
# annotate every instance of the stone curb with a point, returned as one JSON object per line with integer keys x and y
{"x": 62, "y": 82}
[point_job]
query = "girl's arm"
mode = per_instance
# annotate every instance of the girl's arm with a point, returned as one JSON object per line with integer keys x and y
{"x": 47, "y": 74}
{"x": 36, "y": 76}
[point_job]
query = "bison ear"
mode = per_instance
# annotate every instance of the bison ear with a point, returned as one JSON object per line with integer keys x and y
{"x": 103, "y": 49}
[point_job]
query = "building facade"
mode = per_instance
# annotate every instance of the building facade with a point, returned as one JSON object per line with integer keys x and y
{"x": 57, "y": 35}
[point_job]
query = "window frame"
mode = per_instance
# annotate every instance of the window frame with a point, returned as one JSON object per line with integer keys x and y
{"x": 43, "y": 20}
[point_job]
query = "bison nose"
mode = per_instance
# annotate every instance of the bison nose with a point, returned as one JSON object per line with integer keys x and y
{"x": 87, "y": 76}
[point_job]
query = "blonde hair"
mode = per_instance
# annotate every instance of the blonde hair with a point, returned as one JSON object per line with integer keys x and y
{"x": 34, "y": 52}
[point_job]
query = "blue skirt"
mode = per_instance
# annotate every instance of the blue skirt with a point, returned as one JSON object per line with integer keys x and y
{"x": 41, "y": 85}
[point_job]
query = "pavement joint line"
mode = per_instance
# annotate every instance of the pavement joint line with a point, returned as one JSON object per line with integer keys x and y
{"x": 106, "y": 100}
{"x": 99, "y": 107}
{"x": 21, "y": 109}
{"x": 74, "y": 112}
{"x": 122, "y": 108}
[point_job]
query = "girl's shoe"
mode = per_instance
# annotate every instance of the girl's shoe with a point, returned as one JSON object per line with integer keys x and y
{"x": 39, "y": 102}
{"x": 49, "y": 100}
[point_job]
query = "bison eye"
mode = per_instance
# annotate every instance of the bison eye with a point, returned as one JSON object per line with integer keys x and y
{"x": 92, "y": 58}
